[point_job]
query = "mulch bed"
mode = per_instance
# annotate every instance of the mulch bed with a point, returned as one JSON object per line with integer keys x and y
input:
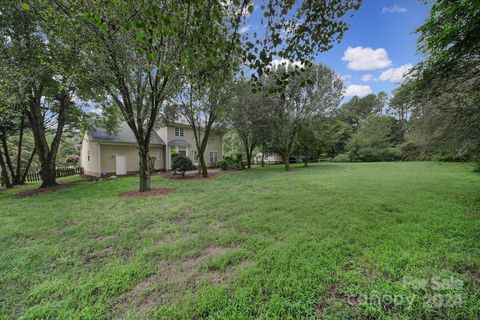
{"x": 33, "y": 192}
{"x": 153, "y": 192}
{"x": 196, "y": 176}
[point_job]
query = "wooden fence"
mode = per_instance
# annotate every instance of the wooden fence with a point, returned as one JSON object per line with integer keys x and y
{"x": 61, "y": 172}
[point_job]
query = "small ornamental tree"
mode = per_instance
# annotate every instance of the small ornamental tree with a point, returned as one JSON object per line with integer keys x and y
{"x": 73, "y": 159}
{"x": 182, "y": 164}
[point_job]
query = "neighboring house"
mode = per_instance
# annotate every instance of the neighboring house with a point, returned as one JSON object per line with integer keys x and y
{"x": 108, "y": 154}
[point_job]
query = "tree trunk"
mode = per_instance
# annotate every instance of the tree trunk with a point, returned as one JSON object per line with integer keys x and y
{"x": 18, "y": 174}
{"x": 27, "y": 167}
{"x": 5, "y": 179}
{"x": 203, "y": 165}
{"x": 249, "y": 153}
{"x": 144, "y": 168}
{"x": 8, "y": 161}
{"x": 286, "y": 160}
{"x": 47, "y": 154}
{"x": 48, "y": 174}
{"x": 263, "y": 155}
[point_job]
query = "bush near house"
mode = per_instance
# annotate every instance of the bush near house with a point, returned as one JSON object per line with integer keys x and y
{"x": 182, "y": 164}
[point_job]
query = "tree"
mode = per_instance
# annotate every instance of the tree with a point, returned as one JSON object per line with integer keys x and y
{"x": 334, "y": 135}
{"x": 308, "y": 143}
{"x": 47, "y": 58}
{"x": 249, "y": 115}
{"x": 400, "y": 106}
{"x": 358, "y": 109}
{"x": 302, "y": 98}
{"x": 444, "y": 86}
{"x": 370, "y": 142}
{"x": 204, "y": 110}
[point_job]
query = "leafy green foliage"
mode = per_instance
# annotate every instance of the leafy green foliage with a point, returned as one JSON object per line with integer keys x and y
{"x": 444, "y": 88}
{"x": 182, "y": 164}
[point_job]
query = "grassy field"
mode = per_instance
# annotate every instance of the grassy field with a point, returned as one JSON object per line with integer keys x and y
{"x": 332, "y": 241}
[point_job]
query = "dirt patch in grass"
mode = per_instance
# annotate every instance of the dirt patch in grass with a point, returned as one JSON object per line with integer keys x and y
{"x": 174, "y": 276}
{"x": 153, "y": 192}
{"x": 33, "y": 192}
{"x": 331, "y": 296}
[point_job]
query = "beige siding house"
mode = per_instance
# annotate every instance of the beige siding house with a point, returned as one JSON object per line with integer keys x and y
{"x": 103, "y": 153}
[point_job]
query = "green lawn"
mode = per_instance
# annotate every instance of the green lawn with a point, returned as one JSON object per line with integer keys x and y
{"x": 330, "y": 241}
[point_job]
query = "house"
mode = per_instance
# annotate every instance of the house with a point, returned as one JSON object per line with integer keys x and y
{"x": 104, "y": 153}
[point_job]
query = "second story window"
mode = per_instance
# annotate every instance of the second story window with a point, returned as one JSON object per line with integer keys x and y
{"x": 179, "y": 132}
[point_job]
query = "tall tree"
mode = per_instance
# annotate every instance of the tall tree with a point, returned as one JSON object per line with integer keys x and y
{"x": 302, "y": 98}
{"x": 359, "y": 108}
{"x": 445, "y": 85}
{"x": 249, "y": 115}
{"x": 204, "y": 109}
{"x": 47, "y": 59}
{"x": 400, "y": 106}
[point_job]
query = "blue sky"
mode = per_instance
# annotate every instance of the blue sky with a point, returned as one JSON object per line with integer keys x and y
{"x": 379, "y": 46}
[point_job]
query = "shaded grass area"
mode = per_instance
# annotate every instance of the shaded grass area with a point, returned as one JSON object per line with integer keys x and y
{"x": 329, "y": 241}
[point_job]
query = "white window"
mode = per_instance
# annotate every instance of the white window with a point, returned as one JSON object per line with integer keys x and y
{"x": 179, "y": 132}
{"x": 213, "y": 157}
{"x": 182, "y": 152}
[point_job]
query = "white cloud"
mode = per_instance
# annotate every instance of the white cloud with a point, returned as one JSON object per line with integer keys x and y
{"x": 244, "y": 29}
{"x": 394, "y": 9}
{"x": 346, "y": 77}
{"x": 357, "y": 90}
{"x": 284, "y": 62}
{"x": 367, "y": 77}
{"x": 396, "y": 74}
{"x": 360, "y": 58}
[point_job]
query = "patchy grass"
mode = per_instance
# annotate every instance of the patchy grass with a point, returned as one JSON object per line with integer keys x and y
{"x": 329, "y": 241}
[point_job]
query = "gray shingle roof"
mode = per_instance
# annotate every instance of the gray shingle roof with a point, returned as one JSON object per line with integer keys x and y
{"x": 179, "y": 142}
{"x": 124, "y": 135}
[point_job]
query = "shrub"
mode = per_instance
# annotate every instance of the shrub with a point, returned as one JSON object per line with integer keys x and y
{"x": 232, "y": 163}
{"x": 411, "y": 151}
{"x": 182, "y": 164}
{"x": 73, "y": 159}
{"x": 344, "y": 157}
{"x": 372, "y": 154}
{"x": 223, "y": 164}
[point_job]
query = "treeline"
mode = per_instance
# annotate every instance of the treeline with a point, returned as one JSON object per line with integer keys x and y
{"x": 433, "y": 115}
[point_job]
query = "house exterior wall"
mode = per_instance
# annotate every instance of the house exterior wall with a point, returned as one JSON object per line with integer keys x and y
{"x": 110, "y": 151}
{"x": 214, "y": 143}
{"x": 102, "y": 154}
{"x": 90, "y": 156}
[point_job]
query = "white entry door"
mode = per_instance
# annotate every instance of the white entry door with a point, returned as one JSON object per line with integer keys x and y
{"x": 121, "y": 165}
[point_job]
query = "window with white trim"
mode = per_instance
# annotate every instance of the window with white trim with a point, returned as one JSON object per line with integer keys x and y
{"x": 213, "y": 157}
{"x": 179, "y": 132}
